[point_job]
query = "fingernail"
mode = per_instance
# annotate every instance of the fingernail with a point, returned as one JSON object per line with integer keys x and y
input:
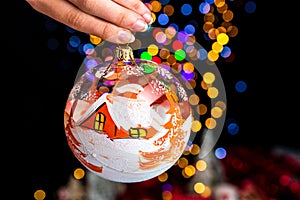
{"x": 125, "y": 37}
{"x": 148, "y": 18}
{"x": 140, "y": 25}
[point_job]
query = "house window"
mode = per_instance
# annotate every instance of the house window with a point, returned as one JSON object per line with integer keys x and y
{"x": 137, "y": 132}
{"x": 99, "y": 122}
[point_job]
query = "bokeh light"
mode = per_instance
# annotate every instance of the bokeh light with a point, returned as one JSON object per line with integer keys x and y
{"x": 250, "y": 6}
{"x": 79, "y": 173}
{"x": 39, "y": 195}
{"x": 186, "y": 9}
{"x": 233, "y": 128}
{"x": 220, "y": 153}
{"x": 241, "y": 86}
{"x": 163, "y": 19}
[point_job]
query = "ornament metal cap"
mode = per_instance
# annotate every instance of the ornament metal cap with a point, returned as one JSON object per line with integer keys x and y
{"x": 124, "y": 54}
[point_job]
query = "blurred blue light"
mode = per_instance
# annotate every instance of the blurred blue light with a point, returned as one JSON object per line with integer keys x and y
{"x": 204, "y": 7}
{"x": 163, "y": 19}
{"x": 186, "y": 9}
{"x": 233, "y": 128}
{"x": 220, "y": 153}
{"x": 250, "y": 7}
{"x": 189, "y": 29}
{"x": 240, "y": 86}
{"x": 226, "y": 51}
{"x": 74, "y": 41}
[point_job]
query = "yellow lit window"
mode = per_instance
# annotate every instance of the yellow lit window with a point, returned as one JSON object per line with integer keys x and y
{"x": 137, "y": 132}
{"x": 99, "y": 122}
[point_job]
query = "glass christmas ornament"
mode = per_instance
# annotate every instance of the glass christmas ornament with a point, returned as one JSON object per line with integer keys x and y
{"x": 128, "y": 120}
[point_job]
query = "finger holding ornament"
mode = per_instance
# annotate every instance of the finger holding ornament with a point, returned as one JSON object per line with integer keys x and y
{"x": 115, "y": 13}
{"x": 73, "y": 16}
{"x": 137, "y": 6}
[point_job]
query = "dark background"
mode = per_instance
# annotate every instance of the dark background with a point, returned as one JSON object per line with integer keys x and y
{"x": 39, "y": 79}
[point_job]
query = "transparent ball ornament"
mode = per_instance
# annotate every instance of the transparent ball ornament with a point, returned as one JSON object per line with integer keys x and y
{"x": 128, "y": 120}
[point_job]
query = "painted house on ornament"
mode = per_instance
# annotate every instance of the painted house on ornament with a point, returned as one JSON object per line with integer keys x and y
{"x": 100, "y": 118}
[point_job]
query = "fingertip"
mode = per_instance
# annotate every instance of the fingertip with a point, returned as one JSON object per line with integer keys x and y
{"x": 149, "y": 6}
{"x": 140, "y": 26}
{"x": 148, "y": 18}
{"x": 125, "y": 36}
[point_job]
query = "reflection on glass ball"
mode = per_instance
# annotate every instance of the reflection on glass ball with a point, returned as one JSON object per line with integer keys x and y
{"x": 128, "y": 120}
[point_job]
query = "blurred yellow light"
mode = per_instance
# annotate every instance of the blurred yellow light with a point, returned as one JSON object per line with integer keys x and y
{"x": 39, "y": 194}
{"x": 222, "y": 9}
{"x": 163, "y": 177}
{"x": 153, "y": 17}
{"x": 182, "y": 162}
{"x": 216, "y": 46}
{"x": 78, "y": 173}
{"x": 204, "y": 85}
{"x": 207, "y": 192}
{"x": 232, "y": 31}
{"x": 209, "y": 77}
{"x": 190, "y": 85}
{"x": 184, "y": 174}
{"x": 212, "y": 33}
{"x": 189, "y": 170}
{"x": 222, "y": 38}
{"x": 156, "y": 6}
{"x": 209, "y": 17}
{"x": 199, "y": 188}
{"x": 221, "y": 29}
{"x": 153, "y": 49}
{"x": 169, "y": 10}
{"x": 202, "y": 109}
{"x": 171, "y": 59}
{"x": 219, "y": 3}
{"x": 207, "y": 26}
{"x": 188, "y": 66}
{"x": 194, "y": 99}
{"x": 221, "y": 105}
{"x": 201, "y": 165}
{"x": 176, "y": 67}
{"x": 164, "y": 53}
{"x": 95, "y": 39}
{"x": 166, "y": 195}
{"x": 196, "y": 126}
{"x": 210, "y": 123}
{"x": 212, "y": 55}
{"x": 212, "y": 92}
{"x": 227, "y": 15}
{"x": 216, "y": 112}
{"x": 195, "y": 149}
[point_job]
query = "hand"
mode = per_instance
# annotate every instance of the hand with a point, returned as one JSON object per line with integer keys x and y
{"x": 111, "y": 20}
